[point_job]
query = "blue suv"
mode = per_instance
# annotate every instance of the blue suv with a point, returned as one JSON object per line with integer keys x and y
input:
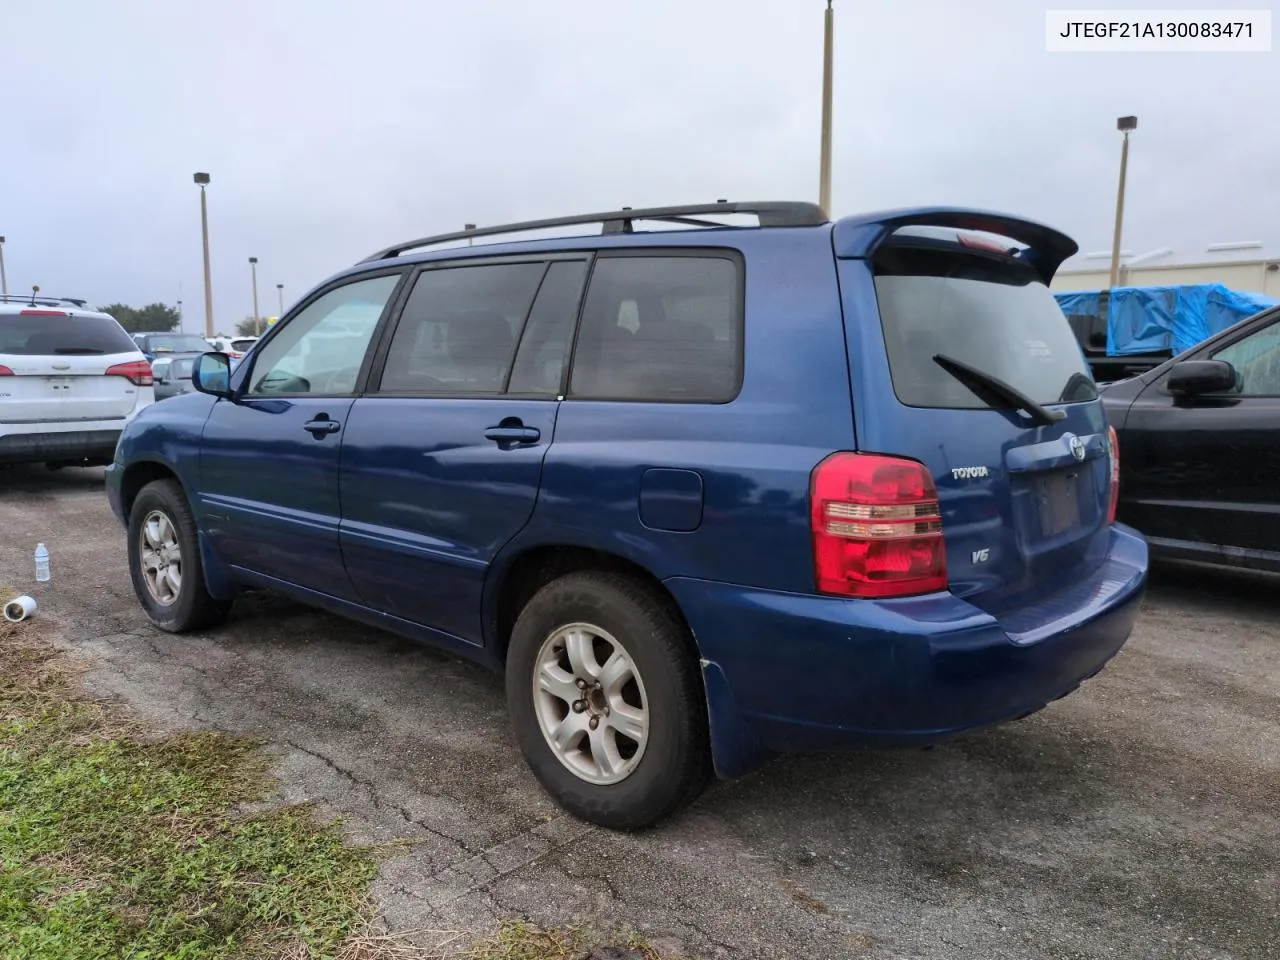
{"x": 702, "y": 492}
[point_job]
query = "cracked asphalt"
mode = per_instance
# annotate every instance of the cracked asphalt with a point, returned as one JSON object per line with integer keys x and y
{"x": 1139, "y": 817}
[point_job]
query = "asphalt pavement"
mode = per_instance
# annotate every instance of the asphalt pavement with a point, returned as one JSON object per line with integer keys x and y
{"x": 1139, "y": 817}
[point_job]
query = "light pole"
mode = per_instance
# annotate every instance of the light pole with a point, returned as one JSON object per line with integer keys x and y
{"x": 4, "y": 281}
{"x": 824, "y": 165}
{"x": 469, "y": 226}
{"x": 202, "y": 179}
{"x": 280, "y": 294}
{"x": 1124, "y": 125}
{"x": 257, "y": 324}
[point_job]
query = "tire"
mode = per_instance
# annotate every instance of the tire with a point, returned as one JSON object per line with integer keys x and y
{"x": 669, "y": 761}
{"x": 186, "y": 605}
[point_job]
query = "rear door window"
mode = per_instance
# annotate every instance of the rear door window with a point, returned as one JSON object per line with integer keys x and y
{"x": 45, "y": 336}
{"x": 988, "y": 311}
{"x": 457, "y": 333}
{"x": 660, "y": 329}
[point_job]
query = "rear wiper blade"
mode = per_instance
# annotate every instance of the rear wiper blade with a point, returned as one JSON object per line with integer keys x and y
{"x": 993, "y": 391}
{"x": 78, "y": 352}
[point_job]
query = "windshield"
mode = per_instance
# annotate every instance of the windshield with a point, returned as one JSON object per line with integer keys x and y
{"x": 34, "y": 336}
{"x": 176, "y": 343}
{"x": 181, "y": 369}
{"x": 987, "y": 311}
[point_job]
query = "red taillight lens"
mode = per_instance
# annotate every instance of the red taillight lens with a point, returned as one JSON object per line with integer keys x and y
{"x": 138, "y": 372}
{"x": 43, "y": 313}
{"x": 1113, "y": 454}
{"x": 5, "y": 371}
{"x": 877, "y": 527}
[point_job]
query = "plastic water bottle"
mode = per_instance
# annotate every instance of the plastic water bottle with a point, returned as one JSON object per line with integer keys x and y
{"x": 42, "y": 563}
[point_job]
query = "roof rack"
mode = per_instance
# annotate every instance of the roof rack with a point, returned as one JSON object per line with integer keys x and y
{"x": 772, "y": 213}
{"x": 39, "y": 299}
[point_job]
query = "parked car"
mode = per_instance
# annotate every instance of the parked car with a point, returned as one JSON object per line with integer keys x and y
{"x": 1199, "y": 439}
{"x": 225, "y": 345}
{"x": 173, "y": 375}
{"x": 70, "y": 379}
{"x": 242, "y": 345}
{"x": 153, "y": 345}
{"x": 703, "y": 494}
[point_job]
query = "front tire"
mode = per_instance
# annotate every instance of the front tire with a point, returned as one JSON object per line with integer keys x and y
{"x": 164, "y": 561}
{"x": 606, "y": 700}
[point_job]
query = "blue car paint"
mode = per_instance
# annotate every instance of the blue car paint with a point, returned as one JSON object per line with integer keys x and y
{"x": 784, "y": 668}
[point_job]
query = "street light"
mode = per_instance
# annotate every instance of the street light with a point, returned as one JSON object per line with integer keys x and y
{"x": 469, "y": 226}
{"x": 4, "y": 281}
{"x": 257, "y": 325}
{"x": 824, "y": 163}
{"x": 280, "y": 293}
{"x": 1124, "y": 125}
{"x": 202, "y": 180}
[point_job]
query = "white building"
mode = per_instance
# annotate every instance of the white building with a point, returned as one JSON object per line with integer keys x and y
{"x": 1261, "y": 275}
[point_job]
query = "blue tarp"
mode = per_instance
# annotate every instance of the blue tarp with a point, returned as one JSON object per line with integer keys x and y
{"x": 1156, "y": 319}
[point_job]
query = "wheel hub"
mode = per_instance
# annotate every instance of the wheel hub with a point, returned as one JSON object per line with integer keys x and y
{"x": 590, "y": 703}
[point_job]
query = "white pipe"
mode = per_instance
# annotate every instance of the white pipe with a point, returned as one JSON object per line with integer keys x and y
{"x": 22, "y": 608}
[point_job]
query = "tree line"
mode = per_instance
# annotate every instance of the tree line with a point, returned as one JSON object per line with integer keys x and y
{"x": 162, "y": 318}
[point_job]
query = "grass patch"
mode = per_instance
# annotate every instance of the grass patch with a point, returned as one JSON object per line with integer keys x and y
{"x": 112, "y": 846}
{"x": 117, "y": 845}
{"x": 525, "y": 941}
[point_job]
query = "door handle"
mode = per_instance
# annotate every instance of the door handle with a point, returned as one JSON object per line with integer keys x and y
{"x": 322, "y": 426}
{"x": 513, "y": 433}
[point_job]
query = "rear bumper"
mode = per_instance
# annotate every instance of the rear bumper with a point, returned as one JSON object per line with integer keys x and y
{"x": 54, "y": 442}
{"x": 788, "y": 672}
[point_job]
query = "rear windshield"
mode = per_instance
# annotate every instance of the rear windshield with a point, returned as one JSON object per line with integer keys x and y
{"x": 987, "y": 311}
{"x": 34, "y": 336}
{"x": 176, "y": 343}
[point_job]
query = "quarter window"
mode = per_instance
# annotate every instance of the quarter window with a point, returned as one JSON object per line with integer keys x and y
{"x": 320, "y": 350}
{"x": 660, "y": 329}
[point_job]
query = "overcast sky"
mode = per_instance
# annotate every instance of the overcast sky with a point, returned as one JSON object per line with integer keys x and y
{"x": 334, "y": 127}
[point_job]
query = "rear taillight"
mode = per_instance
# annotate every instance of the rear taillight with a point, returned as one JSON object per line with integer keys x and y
{"x": 5, "y": 371}
{"x": 877, "y": 527}
{"x": 43, "y": 313}
{"x": 1113, "y": 455}
{"x": 137, "y": 372}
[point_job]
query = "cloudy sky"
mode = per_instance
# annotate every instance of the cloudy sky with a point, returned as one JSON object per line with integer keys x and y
{"x": 334, "y": 127}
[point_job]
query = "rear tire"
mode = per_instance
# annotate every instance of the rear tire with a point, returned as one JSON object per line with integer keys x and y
{"x": 164, "y": 561}
{"x": 636, "y": 747}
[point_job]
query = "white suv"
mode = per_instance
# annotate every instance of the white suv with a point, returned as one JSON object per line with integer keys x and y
{"x": 70, "y": 379}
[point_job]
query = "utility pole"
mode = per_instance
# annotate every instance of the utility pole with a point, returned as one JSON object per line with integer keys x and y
{"x": 4, "y": 281}
{"x": 824, "y": 171}
{"x": 257, "y": 322}
{"x": 203, "y": 180}
{"x": 1124, "y": 124}
{"x": 280, "y": 293}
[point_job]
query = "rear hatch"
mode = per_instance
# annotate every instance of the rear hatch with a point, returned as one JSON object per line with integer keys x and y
{"x": 61, "y": 366}
{"x": 978, "y": 376}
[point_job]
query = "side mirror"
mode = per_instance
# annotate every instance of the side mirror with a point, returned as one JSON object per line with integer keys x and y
{"x": 1193, "y": 378}
{"x": 212, "y": 375}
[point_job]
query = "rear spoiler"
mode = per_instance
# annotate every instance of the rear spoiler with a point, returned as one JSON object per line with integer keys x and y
{"x": 858, "y": 237}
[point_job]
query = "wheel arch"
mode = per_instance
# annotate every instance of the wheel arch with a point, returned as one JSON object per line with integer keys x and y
{"x": 526, "y": 571}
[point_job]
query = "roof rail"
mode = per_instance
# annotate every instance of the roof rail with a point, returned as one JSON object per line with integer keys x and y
{"x": 40, "y": 299}
{"x": 772, "y": 213}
